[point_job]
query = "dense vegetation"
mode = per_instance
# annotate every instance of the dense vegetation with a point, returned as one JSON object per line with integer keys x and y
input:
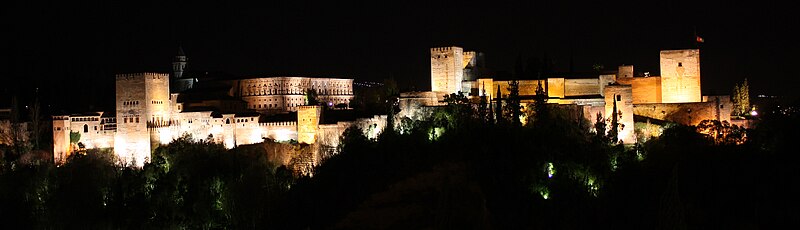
{"x": 460, "y": 169}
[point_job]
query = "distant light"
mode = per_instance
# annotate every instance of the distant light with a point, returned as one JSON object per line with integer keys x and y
{"x": 753, "y": 113}
{"x": 330, "y": 103}
{"x": 551, "y": 170}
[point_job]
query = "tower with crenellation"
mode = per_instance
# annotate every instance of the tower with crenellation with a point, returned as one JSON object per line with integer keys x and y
{"x": 447, "y": 69}
{"x": 680, "y": 76}
{"x": 142, "y": 104}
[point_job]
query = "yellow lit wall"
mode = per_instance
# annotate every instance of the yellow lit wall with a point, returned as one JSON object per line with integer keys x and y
{"x": 680, "y": 76}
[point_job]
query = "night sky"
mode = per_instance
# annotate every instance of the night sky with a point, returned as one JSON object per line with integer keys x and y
{"x": 76, "y": 48}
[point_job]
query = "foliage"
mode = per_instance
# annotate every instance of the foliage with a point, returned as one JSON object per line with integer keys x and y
{"x": 74, "y": 137}
{"x": 722, "y": 132}
{"x": 513, "y": 103}
{"x": 187, "y": 185}
{"x": 552, "y": 173}
{"x": 312, "y": 97}
{"x": 741, "y": 99}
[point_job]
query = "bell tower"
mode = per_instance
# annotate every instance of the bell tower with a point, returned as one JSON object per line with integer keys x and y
{"x": 179, "y": 63}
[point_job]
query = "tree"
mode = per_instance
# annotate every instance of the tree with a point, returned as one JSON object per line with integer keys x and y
{"x": 614, "y": 131}
{"x": 17, "y": 134}
{"x": 36, "y": 121}
{"x": 540, "y": 109}
{"x": 600, "y": 127}
{"x": 513, "y": 102}
{"x": 498, "y": 113}
{"x": 311, "y": 97}
{"x": 741, "y": 99}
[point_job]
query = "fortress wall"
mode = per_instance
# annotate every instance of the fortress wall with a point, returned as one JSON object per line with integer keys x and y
{"x": 605, "y": 80}
{"x": 526, "y": 87}
{"x": 555, "y": 87}
{"x": 591, "y": 106}
{"x": 486, "y": 87}
{"x": 623, "y": 96}
{"x": 280, "y": 131}
{"x": 93, "y": 135}
{"x": 683, "y": 113}
{"x": 447, "y": 69}
{"x": 469, "y": 58}
{"x": 625, "y": 71}
{"x": 307, "y": 124}
{"x": 247, "y": 131}
{"x": 723, "y": 103}
{"x": 580, "y": 87}
{"x": 61, "y": 144}
{"x": 680, "y": 76}
{"x": 196, "y": 124}
{"x": 157, "y": 107}
{"x": 132, "y": 141}
{"x": 645, "y": 89}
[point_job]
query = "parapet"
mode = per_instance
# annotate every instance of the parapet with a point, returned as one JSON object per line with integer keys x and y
{"x": 279, "y": 123}
{"x": 445, "y": 49}
{"x": 130, "y": 76}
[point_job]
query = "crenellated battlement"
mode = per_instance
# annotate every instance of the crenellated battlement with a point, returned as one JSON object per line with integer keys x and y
{"x": 278, "y": 123}
{"x": 131, "y": 76}
{"x": 445, "y": 49}
{"x": 60, "y": 117}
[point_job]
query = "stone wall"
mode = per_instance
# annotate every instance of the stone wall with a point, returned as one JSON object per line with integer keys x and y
{"x": 680, "y": 76}
{"x": 683, "y": 113}
{"x": 307, "y": 124}
{"x": 555, "y": 87}
{"x": 622, "y": 95}
{"x": 486, "y": 87}
{"x": 61, "y": 143}
{"x": 581, "y": 87}
{"x": 724, "y": 104}
{"x": 526, "y": 87}
{"x": 625, "y": 71}
{"x": 645, "y": 89}
{"x": 605, "y": 80}
{"x": 142, "y": 101}
{"x": 447, "y": 69}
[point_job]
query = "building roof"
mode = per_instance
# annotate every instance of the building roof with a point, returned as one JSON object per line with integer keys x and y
{"x": 180, "y": 51}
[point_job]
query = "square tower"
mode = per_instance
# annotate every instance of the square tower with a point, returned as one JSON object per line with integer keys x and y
{"x": 447, "y": 69}
{"x": 622, "y": 97}
{"x": 142, "y": 103}
{"x": 680, "y": 76}
{"x": 308, "y": 123}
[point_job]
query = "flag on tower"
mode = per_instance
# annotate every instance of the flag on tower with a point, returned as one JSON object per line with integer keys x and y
{"x": 699, "y": 39}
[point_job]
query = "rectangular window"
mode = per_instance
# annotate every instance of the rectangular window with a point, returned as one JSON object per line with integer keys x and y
{"x": 619, "y": 97}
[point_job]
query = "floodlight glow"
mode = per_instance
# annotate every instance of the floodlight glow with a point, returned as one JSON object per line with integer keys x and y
{"x": 551, "y": 170}
{"x": 282, "y": 135}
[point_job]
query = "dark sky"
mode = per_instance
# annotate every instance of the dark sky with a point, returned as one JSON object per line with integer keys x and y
{"x": 77, "y": 47}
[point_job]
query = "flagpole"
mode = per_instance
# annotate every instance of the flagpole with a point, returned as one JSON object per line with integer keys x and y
{"x": 696, "y": 43}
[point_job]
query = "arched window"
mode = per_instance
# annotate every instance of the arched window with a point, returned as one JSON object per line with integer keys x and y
{"x": 85, "y": 128}
{"x": 228, "y": 121}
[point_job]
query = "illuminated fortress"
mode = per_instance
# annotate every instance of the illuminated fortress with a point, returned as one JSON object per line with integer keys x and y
{"x": 674, "y": 96}
{"x": 148, "y": 114}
